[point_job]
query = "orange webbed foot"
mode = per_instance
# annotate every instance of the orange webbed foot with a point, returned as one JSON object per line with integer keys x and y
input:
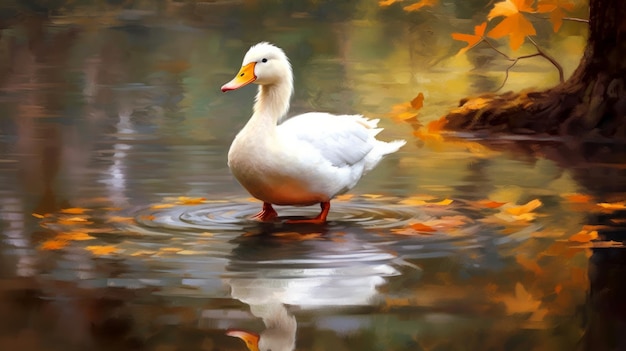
{"x": 320, "y": 219}
{"x": 267, "y": 214}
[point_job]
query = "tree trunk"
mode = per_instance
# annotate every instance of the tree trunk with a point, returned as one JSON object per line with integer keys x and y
{"x": 591, "y": 103}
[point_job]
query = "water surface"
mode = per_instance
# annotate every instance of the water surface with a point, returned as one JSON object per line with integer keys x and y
{"x": 121, "y": 227}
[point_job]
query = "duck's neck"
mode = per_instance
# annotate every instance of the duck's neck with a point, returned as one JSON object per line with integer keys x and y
{"x": 271, "y": 105}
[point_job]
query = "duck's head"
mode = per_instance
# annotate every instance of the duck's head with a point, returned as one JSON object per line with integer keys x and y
{"x": 264, "y": 64}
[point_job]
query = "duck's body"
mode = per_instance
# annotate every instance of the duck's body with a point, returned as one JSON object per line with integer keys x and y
{"x": 307, "y": 159}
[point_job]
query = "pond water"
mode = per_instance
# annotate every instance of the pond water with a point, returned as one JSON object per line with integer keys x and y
{"x": 121, "y": 227}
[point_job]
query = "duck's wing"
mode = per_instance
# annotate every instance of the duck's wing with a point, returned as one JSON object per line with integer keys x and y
{"x": 344, "y": 140}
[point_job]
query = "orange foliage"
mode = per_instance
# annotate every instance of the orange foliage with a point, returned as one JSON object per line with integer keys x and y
{"x": 471, "y": 39}
{"x": 514, "y": 24}
{"x": 556, "y": 9}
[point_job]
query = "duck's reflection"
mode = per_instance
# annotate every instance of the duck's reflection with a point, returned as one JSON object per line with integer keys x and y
{"x": 326, "y": 270}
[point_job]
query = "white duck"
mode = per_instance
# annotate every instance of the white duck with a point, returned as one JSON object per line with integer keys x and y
{"x": 307, "y": 159}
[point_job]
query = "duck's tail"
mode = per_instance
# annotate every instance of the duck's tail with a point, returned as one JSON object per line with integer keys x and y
{"x": 380, "y": 150}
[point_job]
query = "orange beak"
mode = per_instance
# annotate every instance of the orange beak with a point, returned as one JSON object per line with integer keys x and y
{"x": 251, "y": 339}
{"x": 244, "y": 77}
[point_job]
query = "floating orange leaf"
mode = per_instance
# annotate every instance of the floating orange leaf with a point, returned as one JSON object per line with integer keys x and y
{"x": 102, "y": 250}
{"x": 161, "y": 206}
{"x": 526, "y": 208}
{"x": 344, "y": 197}
{"x": 73, "y": 221}
{"x": 471, "y": 39}
{"x": 420, "y": 201}
{"x": 75, "y": 236}
{"x": 418, "y": 101}
{"x": 613, "y": 205}
{"x": 419, "y": 5}
{"x": 420, "y": 227}
{"x": 53, "y": 244}
{"x": 437, "y": 125}
{"x": 514, "y": 24}
{"x": 584, "y": 236}
{"x": 121, "y": 219}
{"x": 489, "y": 203}
{"x": 577, "y": 198}
{"x": 74, "y": 210}
{"x": 407, "y": 111}
{"x": 183, "y": 200}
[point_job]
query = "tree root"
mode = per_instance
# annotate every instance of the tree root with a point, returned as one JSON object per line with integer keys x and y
{"x": 574, "y": 110}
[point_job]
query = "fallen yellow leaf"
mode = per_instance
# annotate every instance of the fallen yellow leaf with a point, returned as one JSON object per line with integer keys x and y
{"x": 102, "y": 249}
{"x": 75, "y": 236}
{"x": 183, "y": 200}
{"x": 161, "y": 206}
{"x": 421, "y": 201}
{"x": 344, "y": 197}
{"x": 528, "y": 207}
{"x": 613, "y": 205}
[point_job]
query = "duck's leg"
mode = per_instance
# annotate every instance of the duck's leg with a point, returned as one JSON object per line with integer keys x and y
{"x": 320, "y": 219}
{"x": 267, "y": 214}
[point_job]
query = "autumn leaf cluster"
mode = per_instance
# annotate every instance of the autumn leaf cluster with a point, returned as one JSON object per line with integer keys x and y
{"x": 511, "y": 18}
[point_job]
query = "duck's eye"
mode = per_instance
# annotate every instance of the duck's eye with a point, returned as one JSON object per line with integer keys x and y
{"x": 264, "y": 60}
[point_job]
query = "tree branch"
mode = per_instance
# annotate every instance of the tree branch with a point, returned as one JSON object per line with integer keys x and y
{"x": 575, "y": 19}
{"x": 549, "y": 58}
